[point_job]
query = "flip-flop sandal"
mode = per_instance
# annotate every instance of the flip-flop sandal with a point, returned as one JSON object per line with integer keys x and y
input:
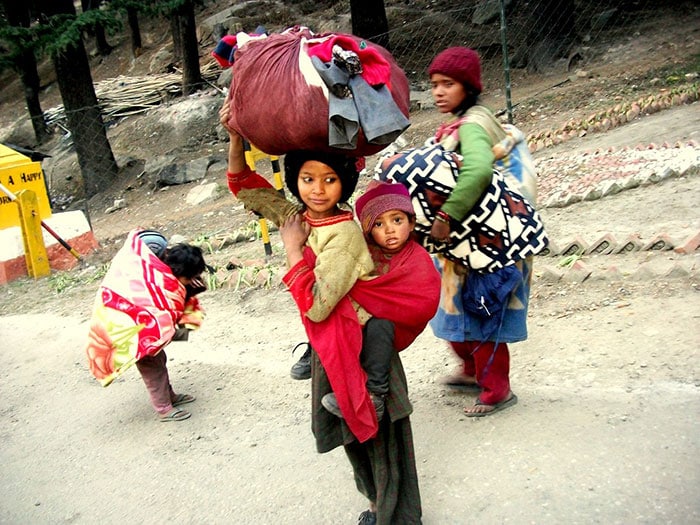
{"x": 454, "y": 383}
{"x": 512, "y": 400}
{"x": 463, "y": 387}
{"x": 176, "y": 414}
{"x": 183, "y": 399}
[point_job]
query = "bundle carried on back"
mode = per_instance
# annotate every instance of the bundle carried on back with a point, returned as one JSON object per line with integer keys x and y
{"x": 328, "y": 92}
{"x": 137, "y": 309}
{"x": 503, "y": 227}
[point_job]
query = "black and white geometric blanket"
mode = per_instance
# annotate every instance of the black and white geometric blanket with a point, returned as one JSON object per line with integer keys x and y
{"x": 501, "y": 229}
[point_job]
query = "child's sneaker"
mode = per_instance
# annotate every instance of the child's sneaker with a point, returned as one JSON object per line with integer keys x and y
{"x": 302, "y": 369}
{"x": 330, "y": 403}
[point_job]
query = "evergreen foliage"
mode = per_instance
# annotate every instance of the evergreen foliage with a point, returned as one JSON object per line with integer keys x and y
{"x": 52, "y": 35}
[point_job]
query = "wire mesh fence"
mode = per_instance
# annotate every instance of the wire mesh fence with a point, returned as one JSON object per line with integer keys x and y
{"x": 515, "y": 39}
{"x": 538, "y": 36}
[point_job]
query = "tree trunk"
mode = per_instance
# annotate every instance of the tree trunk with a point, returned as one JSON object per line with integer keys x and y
{"x": 191, "y": 74}
{"x": 177, "y": 36}
{"x": 369, "y": 21}
{"x": 30, "y": 80}
{"x": 17, "y": 14}
{"x": 134, "y": 31}
{"x": 97, "y": 164}
{"x": 103, "y": 47}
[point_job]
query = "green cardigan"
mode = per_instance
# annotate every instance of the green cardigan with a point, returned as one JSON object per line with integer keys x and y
{"x": 476, "y": 138}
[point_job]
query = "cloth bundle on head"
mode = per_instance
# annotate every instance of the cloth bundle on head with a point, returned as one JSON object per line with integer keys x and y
{"x": 281, "y": 101}
{"x": 461, "y": 64}
{"x": 379, "y": 198}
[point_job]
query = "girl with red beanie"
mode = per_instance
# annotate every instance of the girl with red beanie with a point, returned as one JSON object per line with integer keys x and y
{"x": 472, "y": 132}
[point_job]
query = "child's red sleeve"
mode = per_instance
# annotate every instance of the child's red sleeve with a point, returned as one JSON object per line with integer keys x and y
{"x": 246, "y": 179}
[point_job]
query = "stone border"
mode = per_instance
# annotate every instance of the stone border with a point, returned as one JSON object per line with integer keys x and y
{"x": 613, "y": 117}
{"x": 609, "y": 245}
{"x": 656, "y": 268}
{"x": 647, "y": 176}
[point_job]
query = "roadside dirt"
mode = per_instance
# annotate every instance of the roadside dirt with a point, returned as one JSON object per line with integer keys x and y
{"x": 606, "y": 430}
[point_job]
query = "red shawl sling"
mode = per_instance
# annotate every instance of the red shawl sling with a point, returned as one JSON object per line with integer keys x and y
{"x": 407, "y": 295}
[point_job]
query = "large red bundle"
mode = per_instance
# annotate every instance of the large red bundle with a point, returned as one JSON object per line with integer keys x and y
{"x": 280, "y": 102}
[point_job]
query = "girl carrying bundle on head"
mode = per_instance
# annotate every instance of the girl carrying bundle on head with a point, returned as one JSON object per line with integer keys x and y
{"x": 330, "y": 271}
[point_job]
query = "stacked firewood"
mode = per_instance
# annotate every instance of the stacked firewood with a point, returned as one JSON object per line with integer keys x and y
{"x": 124, "y": 95}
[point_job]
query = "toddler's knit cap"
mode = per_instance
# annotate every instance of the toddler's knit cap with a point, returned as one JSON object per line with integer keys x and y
{"x": 379, "y": 198}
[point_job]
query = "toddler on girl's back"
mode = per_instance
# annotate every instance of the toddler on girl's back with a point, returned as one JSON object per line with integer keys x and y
{"x": 387, "y": 218}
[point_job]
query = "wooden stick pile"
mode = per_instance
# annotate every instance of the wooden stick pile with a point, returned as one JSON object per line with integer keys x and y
{"x": 123, "y": 96}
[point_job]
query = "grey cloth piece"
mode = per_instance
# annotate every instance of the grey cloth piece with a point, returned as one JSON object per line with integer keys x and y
{"x": 335, "y": 77}
{"x": 380, "y": 118}
{"x": 343, "y": 119}
{"x": 343, "y": 123}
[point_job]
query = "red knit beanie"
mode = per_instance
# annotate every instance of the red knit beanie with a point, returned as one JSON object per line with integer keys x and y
{"x": 379, "y": 198}
{"x": 459, "y": 63}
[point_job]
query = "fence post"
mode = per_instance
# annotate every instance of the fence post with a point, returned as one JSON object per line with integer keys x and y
{"x": 35, "y": 254}
{"x": 506, "y": 62}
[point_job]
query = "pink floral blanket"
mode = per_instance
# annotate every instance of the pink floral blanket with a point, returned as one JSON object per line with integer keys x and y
{"x": 137, "y": 308}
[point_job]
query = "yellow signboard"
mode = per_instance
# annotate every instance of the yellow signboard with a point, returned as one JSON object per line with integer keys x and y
{"x": 17, "y": 173}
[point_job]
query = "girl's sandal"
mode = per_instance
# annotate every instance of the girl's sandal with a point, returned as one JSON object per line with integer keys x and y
{"x": 176, "y": 414}
{"x": 510, "y": 401}
{"x": 182, "y": 399}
